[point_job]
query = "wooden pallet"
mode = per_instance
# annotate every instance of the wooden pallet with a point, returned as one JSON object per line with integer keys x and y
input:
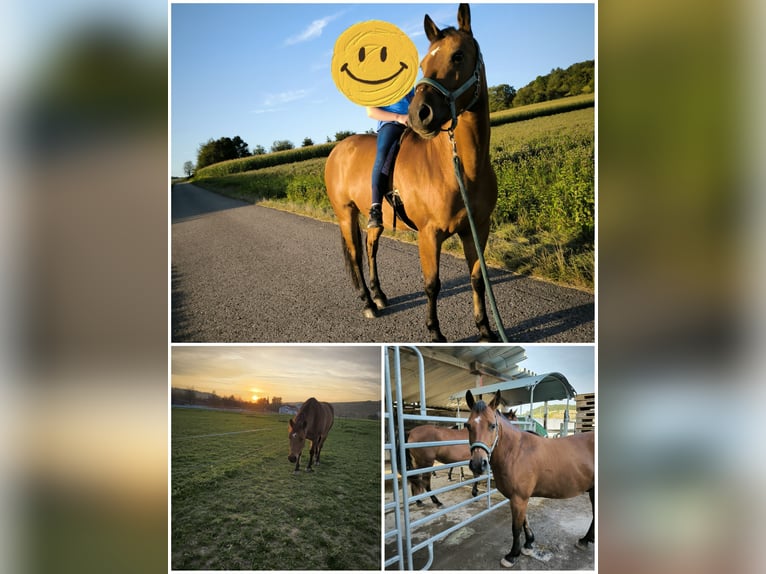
{"x": 585, "y": 420}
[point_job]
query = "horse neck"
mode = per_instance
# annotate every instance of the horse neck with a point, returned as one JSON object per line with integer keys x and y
{"x": 509, "y": 435}
{"x": 472, "y": 133}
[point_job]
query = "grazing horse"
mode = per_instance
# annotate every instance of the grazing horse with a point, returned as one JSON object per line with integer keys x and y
{"x": 312, "y": 422}
{"x": 453, "y": 88}
{"x": 524, "y": 465}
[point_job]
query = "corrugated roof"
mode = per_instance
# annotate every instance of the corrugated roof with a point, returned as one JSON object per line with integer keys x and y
{"x": 451, "y": 370}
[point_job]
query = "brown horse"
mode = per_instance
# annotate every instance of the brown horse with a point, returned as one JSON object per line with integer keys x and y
{"x": 424, "y": 457}
{"x": 453, "y": 86}
{"x": 524, "y": 465}
{"x": 312, "y": 422}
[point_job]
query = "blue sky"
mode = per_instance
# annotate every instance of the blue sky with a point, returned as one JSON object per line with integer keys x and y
{"x": 575, "y": 362}
{"x": 262, "y": 71}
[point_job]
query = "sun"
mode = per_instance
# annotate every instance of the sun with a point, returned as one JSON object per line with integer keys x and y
{"x": 254, "y": 398}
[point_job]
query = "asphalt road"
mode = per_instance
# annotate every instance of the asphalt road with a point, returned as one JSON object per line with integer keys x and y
{"x": 246, "y": 273}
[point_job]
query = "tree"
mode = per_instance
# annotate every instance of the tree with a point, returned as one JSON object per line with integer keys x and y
{"x": 501, "y": 97}
{"x": 222, "y": 149}
{"x": 259, "y": 150}
{"x": 343, "y": 135}
{"x": 307, "y": 142}
{"x": 188, "y": 168}
{"x": 282, "y": 145}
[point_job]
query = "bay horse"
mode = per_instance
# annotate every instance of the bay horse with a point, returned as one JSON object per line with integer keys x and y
{"x": 524, "y": 465}
{"x": 425, "y": 456}
{"x": 313, "y": 422}
{"x": 453, "y": 87}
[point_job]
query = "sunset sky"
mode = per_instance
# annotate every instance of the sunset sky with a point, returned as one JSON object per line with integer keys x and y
{"x": 295, "y": 373}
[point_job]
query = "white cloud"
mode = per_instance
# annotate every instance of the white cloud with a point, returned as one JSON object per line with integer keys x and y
{"x": 313, "y": 30}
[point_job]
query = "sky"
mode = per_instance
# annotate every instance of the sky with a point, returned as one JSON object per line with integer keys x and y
{"x": 333, "y": 373}
{"x": 262, "y": 71}
{"x": 576, "y": 362}
{"x": 293, "y": 372}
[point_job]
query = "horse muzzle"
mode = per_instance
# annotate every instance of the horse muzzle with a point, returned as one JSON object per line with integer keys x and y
{"x": 478, "y": 465}
{"x": 292, "y": 458}
{"x": 423, "y": 121}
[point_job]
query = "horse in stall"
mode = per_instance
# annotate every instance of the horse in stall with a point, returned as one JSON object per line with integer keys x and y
{"x": 453, "y": 87}
{"x": 524, "y": 465}
{"x": 313, "y": 422}
{"x": 425, "y": 456}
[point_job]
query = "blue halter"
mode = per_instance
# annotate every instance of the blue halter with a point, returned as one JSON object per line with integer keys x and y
{"x": 453, "y": 96}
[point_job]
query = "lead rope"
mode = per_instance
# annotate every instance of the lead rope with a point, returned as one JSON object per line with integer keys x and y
{"x": 490, "y": 295}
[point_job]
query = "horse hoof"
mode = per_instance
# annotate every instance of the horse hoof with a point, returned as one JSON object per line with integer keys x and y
{"x": 309, "y": 470}
{"x": 437, "y": 337}
{"x": 491, "y": 338}
{"x": 582, "y": 544}
{"x": 506, "y": 564}
{"x": 527, "y": 551}
{"x": 370, "y": 313}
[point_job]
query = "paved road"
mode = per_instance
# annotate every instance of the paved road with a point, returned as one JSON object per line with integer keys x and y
{"x": 245, "y": 273}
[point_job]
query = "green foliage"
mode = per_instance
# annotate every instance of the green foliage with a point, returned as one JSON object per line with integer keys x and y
{"x": 222, "y": 149}
{"x": 264, "y": 161}
{"x": 282, "y": 145}
{"x": 339, "y": 136}
{"x": 576, "y": 79}
{"x": 501, "y": 97}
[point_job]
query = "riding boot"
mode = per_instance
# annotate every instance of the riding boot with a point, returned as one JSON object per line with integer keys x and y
{"x": 376, "y": 216}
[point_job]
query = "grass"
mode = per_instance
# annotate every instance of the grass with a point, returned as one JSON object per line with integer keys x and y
{"x": 236, "y": 504}
{"x": 544, "y": 222}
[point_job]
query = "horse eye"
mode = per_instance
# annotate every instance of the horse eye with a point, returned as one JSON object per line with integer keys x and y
{"x": 361, "y": 54}
{"x": 492, "y": 426}
{"x": 383, "y": 54}
{"x": 457, "y": 57}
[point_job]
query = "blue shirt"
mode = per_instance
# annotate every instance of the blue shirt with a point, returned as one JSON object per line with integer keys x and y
{"x": 400, "y": 107}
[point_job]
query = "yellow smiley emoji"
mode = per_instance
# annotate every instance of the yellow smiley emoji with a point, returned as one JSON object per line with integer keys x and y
{"x": 374, "y": 63}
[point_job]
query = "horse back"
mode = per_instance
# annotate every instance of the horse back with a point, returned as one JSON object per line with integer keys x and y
{"x": 348, "y": 171}
{"x": 559, "y": 467}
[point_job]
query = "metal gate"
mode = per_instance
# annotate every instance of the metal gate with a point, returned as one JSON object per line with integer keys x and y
{"x": 399, "y": 475}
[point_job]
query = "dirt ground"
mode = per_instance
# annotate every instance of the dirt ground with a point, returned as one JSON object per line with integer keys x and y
{"x": 557, "y": 524}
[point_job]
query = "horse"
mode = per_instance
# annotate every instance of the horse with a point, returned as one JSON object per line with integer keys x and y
{"x": 454, "y": 87}
{"x": 524, "y": 465}
{"x": 425, "y": 456}
{"x": 313, "y": 421}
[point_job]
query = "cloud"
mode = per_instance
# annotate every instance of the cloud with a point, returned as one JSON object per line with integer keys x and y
{"x": 274, "y": 102}
{"x": 313, "y": 30}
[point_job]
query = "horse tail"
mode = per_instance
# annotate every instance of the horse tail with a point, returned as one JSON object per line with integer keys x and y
{"x": 351, "y": 265}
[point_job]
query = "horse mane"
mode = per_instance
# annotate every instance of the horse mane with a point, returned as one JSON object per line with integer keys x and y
{"x": 480, "y": 406}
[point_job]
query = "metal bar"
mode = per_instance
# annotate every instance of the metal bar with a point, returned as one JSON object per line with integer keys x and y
{"x": 394, "y": 469}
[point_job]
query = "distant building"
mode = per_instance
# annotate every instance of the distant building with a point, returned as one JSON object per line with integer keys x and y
{"x": 288, "y": 410}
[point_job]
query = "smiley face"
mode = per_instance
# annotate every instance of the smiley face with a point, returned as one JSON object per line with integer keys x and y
{"x": 374, "y": 63}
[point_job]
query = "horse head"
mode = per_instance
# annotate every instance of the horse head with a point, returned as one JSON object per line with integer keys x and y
{"x": 451, "y": 76}
{"x": 483, "y": 431}
{"x": 296, "y": 432}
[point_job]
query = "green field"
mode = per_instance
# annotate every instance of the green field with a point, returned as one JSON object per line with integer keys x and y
{"x": 236, "y": 504}
{"x": 544, "y": 222}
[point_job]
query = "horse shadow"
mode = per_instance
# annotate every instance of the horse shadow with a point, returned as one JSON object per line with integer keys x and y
{"x": 532, "y": 330}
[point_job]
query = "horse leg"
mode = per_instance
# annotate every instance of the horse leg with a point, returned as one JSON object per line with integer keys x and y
{"x": 373, "y": 239}
{"x": 477, "y": 282}
{"x": 427, "y": 482}
{"x": 312, "y": 453}
{"x": 590, "y": 535}
{"x": 518, "y": 519}
{"x": 529, "y": 536}
{"x": 475, "y": 488}
{"x": 297, "y": 464}
{"x": 429, "y": 245}
{"x": 351, "y": 239}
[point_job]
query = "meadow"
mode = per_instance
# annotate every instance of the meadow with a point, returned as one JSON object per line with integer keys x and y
{"x": 544, "y": 222}
{"x": 236, "y": 504}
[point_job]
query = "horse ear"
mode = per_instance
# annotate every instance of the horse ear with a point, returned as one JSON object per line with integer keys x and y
{"x": 469, "y": 399}
{"x": 432, "y": 30}
{"x": 496, "y": 400}
{"x": 291, "y": 423}
{"x": 464, "y": 18}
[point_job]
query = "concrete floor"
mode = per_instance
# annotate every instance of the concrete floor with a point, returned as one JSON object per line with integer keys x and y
{"x": 557, "y": 525}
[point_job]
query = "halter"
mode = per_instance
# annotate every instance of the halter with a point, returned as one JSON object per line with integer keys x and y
{"x": 483, "y": 446}
{"x": 454, "y": 95}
